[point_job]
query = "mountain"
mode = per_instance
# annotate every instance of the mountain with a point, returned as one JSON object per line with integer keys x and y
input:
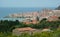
{"x": 58, "y": 8}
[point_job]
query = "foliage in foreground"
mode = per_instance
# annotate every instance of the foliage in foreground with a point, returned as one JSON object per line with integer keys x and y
{"x": 8, "y": 26}
{"x": 39, "y": 34}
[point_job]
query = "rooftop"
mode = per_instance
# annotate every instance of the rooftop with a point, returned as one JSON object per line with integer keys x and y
{"x": 25, "y": 29}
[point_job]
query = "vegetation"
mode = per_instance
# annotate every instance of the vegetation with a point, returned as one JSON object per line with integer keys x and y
{"x": 6, "y": 28}
{"x": 56, "y": 33}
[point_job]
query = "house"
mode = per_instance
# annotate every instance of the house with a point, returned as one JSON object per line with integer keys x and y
{"x": 47, "y": 30}
{"x": 52, "y": 18}
{"x": 31, "y": 22}
{"x": 51, "y": 15}
{"x": 19, "y": 31}
{"x": 45, "y": 13}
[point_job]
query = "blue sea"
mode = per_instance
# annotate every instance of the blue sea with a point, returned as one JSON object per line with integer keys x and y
{"x": 6, "y": 11}
{"x": 13, "y": 19}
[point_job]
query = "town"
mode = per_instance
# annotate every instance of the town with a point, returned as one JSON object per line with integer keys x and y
{"x": 29, "y": 18}
{"x": 45, "y": 23}
{"x": 34, "y": 17}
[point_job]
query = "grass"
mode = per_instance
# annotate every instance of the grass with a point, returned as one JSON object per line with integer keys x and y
{"x": 36, "y": 34}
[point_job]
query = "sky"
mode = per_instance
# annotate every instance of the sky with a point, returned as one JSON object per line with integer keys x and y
{"x": 25, "y": 4}
{"x": 29, "y": 3}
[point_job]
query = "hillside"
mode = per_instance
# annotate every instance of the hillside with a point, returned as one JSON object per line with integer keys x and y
{"x": 58, "y": 8}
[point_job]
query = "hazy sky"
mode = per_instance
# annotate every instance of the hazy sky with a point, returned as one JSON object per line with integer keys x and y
{"x": 25, "y": 3}
{"x": 29, "y": 3}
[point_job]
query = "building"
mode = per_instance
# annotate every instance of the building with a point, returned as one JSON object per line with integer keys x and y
{"x": 50, "y": 14}
{"x": 19, "y": 31}
{"x": 52, "y": 18}
{"x": 31, "y": 17}
{"x": 30, "y": 21}
{"x": 44, "y": 30}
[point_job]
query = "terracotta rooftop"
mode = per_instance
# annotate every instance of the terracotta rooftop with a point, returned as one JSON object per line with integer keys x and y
{"x": 25, "y": 29}
{"x": 54, "y": 16}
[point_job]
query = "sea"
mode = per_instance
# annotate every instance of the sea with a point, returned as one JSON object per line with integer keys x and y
{"x": 5, "y": 11}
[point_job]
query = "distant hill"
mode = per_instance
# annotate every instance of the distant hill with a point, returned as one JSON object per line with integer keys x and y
{"x": 58, "y": 8}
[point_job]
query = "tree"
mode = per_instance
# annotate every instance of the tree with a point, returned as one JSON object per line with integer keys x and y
{"x": 59, "y": 18}
{"x": 37, "y": 18}
{"x": 44, "y": 19}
